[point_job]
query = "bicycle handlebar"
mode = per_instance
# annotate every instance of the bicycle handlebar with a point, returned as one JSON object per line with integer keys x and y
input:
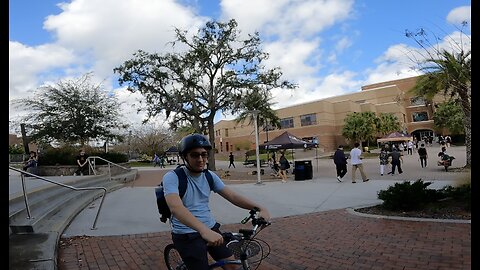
{"x": 255, "y": 220}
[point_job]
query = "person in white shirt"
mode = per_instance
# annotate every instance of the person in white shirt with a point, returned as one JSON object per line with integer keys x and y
{"x": 356, "y": 159}
{"x": 410, "y": 147}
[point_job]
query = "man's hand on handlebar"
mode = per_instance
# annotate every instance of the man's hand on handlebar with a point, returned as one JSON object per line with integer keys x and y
{"x": 213, "y": 238}
{"x": 263, "y": 213}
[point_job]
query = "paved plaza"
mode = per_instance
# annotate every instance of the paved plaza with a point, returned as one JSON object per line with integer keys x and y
{"x": 313, "y": 225}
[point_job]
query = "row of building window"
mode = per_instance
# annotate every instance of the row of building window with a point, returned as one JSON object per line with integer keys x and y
{"x": 311, "y": 119}
{"x": 305, "y": 120}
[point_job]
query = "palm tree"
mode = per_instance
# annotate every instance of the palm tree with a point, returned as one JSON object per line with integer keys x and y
{"x": 359, "y": 126}
{"x": 446, "y": 72}
{"x": 450, "y": 74}
{"x": 387, "y": 123}
{"x": 261, "y": 101}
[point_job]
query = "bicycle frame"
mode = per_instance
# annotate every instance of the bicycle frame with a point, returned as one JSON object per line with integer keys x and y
{"x": 242, "y": 235}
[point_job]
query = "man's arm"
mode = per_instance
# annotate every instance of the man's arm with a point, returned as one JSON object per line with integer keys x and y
{"x": 185, "y": 217}
{"x": 243, "y": 202}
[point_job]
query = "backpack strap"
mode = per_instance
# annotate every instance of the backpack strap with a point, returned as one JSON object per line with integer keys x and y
{"x": 182, "y": 180}
{"x": 209, "y": 177}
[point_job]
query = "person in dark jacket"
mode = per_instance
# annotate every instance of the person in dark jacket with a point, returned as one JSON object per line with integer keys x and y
{"x": 397, "y": 161}
{"x": 340, "y": 161}
{"x": 423, "y": 156}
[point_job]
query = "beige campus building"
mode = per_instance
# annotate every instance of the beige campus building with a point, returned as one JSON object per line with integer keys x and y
{"x": 323, "y": 119}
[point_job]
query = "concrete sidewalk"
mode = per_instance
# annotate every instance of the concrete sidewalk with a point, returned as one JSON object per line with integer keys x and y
{"x": 134, "y": 211}
{"x": 321, "y": 193}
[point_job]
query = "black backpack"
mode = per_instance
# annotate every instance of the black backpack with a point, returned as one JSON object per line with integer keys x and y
{"x": 182, "y": 188}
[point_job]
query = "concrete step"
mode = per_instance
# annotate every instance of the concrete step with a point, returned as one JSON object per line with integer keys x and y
{"x": 59, "y": 203}
{"x": 52, "y": 215}
{"x": 33, "y": 243}
{"x": 45, "y": 196}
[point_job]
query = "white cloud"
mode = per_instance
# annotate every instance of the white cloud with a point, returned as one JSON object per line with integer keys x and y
{"x": 296, "y": 58}
{"x": 287, "y": 18}
{"x": 28, "y": 64}
{"x": 108, "y": 32}
{"x": 460, "y": 14}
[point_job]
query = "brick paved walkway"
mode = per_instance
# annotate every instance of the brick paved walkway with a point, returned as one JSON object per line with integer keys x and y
{"x": 325, "y": 240}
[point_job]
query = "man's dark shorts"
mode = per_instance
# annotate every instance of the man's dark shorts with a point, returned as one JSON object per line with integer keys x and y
{"x": 193, "y": 249}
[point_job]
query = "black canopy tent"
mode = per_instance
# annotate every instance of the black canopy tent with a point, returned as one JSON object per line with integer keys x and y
{"x": 285, "y": 141}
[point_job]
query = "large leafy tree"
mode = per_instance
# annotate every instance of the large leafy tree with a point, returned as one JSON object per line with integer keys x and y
{"x": 71, "y": 111}
{"x": 215, "y": 72}
{"x": 449, "y": 115}
{"x": 447, "y": 72}
{"x": 151, "y": 139}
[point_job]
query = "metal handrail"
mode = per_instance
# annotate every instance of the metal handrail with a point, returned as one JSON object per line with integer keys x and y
{"x": 109, "y": 165}
{"x": 23, "y": 173}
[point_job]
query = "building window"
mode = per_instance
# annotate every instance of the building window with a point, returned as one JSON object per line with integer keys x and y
{"x": 420, "y": 116}
{"x": 226, "y": 132}
{"x": 286, "y": 123}
{"x": 308, "y": 119}
{"x": 416, "y": 101}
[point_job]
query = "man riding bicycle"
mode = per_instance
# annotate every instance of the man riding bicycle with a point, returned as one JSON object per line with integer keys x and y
{"x": 194, "y": 229}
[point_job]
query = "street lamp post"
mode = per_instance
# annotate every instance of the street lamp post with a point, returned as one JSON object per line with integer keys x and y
{"x": 255, "y": 115}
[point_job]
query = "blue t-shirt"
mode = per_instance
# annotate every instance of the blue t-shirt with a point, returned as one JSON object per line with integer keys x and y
{"x": 196, "y": 198}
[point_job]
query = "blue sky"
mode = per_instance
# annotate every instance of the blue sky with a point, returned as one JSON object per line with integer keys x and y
{"x": 327, "y": 47}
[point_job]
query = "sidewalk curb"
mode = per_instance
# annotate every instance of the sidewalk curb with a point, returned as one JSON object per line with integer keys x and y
{"x": 352, "y": 211}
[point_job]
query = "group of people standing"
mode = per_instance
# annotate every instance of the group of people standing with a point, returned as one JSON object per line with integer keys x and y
{"x": 389, "y": 155}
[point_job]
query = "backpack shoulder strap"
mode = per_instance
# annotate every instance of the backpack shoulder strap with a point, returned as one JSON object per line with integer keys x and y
{"x": 182, "y": 181}
{"x": 209, "y": 177}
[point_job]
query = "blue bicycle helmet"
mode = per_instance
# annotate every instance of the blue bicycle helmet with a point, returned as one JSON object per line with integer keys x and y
{"x": 193, "y": 141}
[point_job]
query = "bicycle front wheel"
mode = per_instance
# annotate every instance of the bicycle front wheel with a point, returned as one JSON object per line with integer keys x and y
{"x": 173, "y": 261}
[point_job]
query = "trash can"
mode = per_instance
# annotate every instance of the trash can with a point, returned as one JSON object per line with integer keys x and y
{"x": 303, "y": 170}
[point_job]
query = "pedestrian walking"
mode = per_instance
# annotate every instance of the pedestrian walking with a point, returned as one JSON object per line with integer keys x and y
{"x": 156, "y": 160}
{"x": 284, "y": 166}
{"x": 423, "y": 156}
{"x": 397, "y": 161}
{"x": 383, "y": 159}
{"x": 448, "y": 140}
{"x": 340, "y": 161}
{"x": 356, "y": 159}
{"x": 231, "y": 159}
{"x": 410, "y": 147}
{"x": 162, "y": 161}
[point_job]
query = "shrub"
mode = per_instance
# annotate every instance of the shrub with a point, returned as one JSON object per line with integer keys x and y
{"x": 461, "y": 193}
{"x": 406, "y": 196}
{"x": 15, "y": 149}
{"x": 68, "y": 156}
{"x": 110, "y": 156}
{"x": 144, "y": 158}
{"x": 58, "y": 156}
